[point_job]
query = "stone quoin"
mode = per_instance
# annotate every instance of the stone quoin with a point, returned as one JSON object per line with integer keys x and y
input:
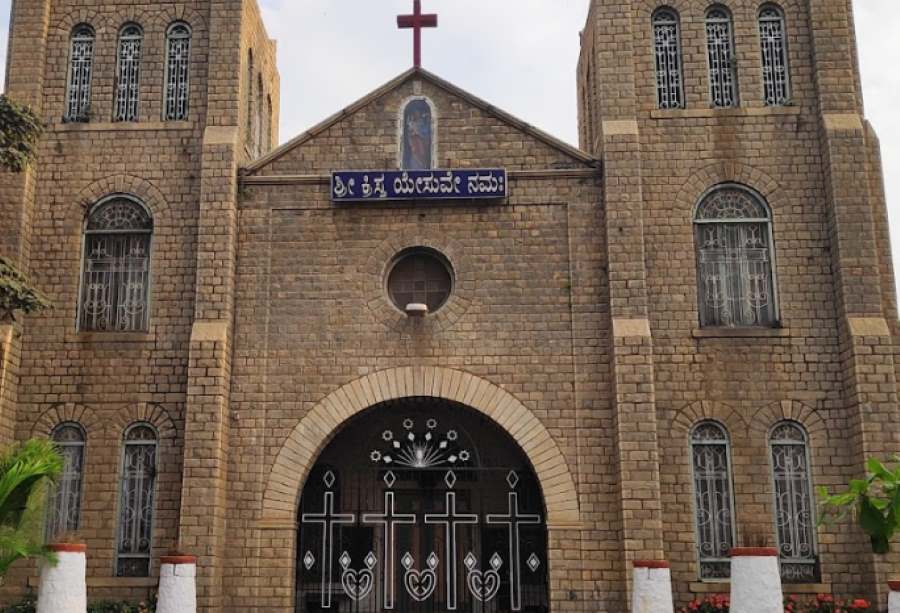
{"x": 425, "y": 356}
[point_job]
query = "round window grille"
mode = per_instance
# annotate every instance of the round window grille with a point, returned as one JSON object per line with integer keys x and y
{"x": 420, "y": 276}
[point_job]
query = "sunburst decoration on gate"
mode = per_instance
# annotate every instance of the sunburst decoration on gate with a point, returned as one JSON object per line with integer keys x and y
{"x": 420, "y": 449}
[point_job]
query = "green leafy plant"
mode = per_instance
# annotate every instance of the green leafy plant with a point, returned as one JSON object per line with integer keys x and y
{"x": 16, "y": 294}
{"x": 26, "y": 469}
{"x": 873, "y": 501}
{"x": 20, "y": 130}
{"x": 28, "y": 604}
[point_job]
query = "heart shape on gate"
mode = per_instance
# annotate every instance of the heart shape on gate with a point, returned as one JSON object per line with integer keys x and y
{"x": 420, "y": 584}
{"x": 357, "y": 585}
{"x": 484, "y": 586}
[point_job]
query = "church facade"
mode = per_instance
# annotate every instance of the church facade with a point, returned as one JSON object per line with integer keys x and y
{"x": 426, "y": 357}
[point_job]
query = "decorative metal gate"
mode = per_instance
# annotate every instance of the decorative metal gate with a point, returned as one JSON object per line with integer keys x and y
{"x": 422, "y": 506}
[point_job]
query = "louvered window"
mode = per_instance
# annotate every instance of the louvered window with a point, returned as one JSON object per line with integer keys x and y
{"x": 713, "y": 506}
{"x": 178, "y": 62}
{"x": 733, "y": 232}
{"x": 116, "y": 271}
{"x": 667, "y": 51}
{"x": 81, "y": 68}
{"x": 128, "y": 74}
{"x": 776, "y": 78}
{"x": 720, "y": 53}
{"x": 136, "y": 499}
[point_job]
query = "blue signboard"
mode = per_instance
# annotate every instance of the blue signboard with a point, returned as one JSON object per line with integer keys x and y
{"x": 375, "y": 185}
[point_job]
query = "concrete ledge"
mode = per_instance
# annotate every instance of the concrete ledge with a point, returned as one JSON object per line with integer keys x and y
{"x": 741, "y": 332}
{"x": 111, "y": 337}
{"x": 623, "y": 327}
{"x": 120, "y": 126}
{"x": 618, "y": 127}
{"x": 209, "y": 331}
{"x": 761, "y": 111}
{"x": 842, "y": 122}
{"x": 868, "y": 326}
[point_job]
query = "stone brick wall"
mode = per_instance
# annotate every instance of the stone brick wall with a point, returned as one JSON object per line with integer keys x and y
{"x": 815, "y": 369}
{"x": 529, "y": 316}
{"x": 108, "y": 380}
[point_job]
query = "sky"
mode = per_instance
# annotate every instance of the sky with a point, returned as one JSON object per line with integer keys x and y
{"x": 519, "y": 55}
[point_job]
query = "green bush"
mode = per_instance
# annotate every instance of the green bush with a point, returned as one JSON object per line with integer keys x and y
{"x": 28, "y": 604}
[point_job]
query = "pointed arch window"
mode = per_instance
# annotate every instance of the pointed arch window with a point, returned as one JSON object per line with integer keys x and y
{"x": 733, "y": 232}
{"x": 667, "y": 52}
{"x": 115, "y": 284}
{"x": 773, "y": 48}
{"x": 259, "y": 124}
{"x": 128, "y": 73}
{"x": 81, "y": 69}
{"x": 65, "y": 502}
{"x": 713, "y": 504}
{"x": 720, "y": 53}
{"x": 251, "y": 113}
{"x": 136, "y": 500}
{"x": 794, "y": 507}
{"x": 178, "y": 62}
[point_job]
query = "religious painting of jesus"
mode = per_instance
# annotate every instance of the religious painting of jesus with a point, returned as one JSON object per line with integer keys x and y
{"x": 417, "y": 136}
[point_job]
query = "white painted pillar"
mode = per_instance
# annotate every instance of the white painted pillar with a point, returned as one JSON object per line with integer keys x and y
{"x": 652, "y": 590}
{"x": 755, "y": 581}
{"x": 894, "y": 598}
{"x": 177, "y": 585}
{"x": 63, "y": 588}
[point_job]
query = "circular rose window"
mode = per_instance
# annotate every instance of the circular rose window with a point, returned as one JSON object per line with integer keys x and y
{"x": 420, "y": 276}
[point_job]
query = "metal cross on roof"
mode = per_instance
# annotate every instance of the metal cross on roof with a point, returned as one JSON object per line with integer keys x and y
{"x": 417, "y": 21}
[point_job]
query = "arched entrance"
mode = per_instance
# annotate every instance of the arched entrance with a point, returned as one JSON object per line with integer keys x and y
{"x": 422, "y": 505}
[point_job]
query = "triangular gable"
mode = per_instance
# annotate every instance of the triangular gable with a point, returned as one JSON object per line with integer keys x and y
{"x": 504, "y": 117}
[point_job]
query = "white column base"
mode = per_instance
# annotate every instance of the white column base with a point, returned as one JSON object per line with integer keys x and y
{"x": 652, "y": 591}
{"x": 756, "y": 581}
{"x": 63, "y": 588}
{"x": 894, "y": 598}
{"x": 177, "y": 585}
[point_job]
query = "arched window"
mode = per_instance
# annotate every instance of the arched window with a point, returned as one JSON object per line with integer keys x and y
{"x": 178, "y": 63}
{"x": 260, "y": 116}
{"x": 795, "y": 524}
{"x": 65, "y": 503}
{"x": 81, "y": 69}
{"x": 267, "y": 126}
{"x": 720, "y": 52}
{"x": 251, "y": 112}
{"x": 667, "y": 49}
{"x": 735, "y": 259}
{"x": 417, "y": 134}
{"x": 135, "y": 536}
{"x": 128, "y": 73}
{"x": 115, "y": 284}
{"x": 713, "y": 505}
{"x": 773, "y": 47}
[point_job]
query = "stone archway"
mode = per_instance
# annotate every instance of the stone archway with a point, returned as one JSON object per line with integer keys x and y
{"x": 315, "y": 430}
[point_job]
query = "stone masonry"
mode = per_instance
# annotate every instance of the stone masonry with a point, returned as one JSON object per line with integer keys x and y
{"x": 573, "y": 322}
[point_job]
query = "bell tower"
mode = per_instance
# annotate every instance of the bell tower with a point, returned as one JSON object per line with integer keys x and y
{"x": 679, "y": 100}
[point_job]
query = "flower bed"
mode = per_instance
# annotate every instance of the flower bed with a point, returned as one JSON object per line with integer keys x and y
{"x": 823, "y": 603}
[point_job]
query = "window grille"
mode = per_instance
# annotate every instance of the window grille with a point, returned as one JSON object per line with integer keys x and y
{"x": 65, "y": 501}
{"x": 128, "y": 74}
{"x": 734, "y": 259}
{"x": 116, "y": 270}
{"x": 711, "y": 461}
{"x": 794, "y": 509}
{"x": 775, "y": 74}
{"x": 720, "y": 51}
{"x": 667, "y": 49}
{"x": 136, "y": 502}
{"x": 178, "y": 62}
{"x": 81, "y": 65}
